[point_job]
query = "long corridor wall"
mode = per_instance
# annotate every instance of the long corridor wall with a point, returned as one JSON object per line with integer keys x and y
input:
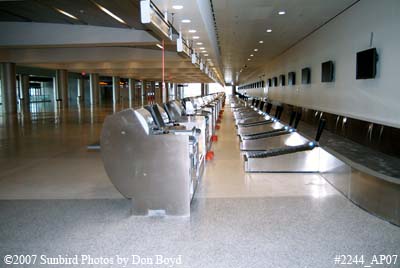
{"x": 375, "y": 100}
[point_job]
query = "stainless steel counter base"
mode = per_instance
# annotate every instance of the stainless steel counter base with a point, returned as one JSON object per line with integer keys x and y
{"x": 129, "y": 157}
{"x": 366, "y": 188}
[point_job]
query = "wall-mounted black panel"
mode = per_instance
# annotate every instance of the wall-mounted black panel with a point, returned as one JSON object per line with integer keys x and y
{"x": 327, "y": 69}
{"x": 291, "y": 78}
{"x": 269, "y": 82}
{"x": 282, "y": 80}
{"x": 275, "y": 81}
{"x": 306, "y": 76}
{"x": 366, "y": 64}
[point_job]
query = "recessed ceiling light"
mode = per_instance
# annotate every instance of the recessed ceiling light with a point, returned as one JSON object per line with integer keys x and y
{"x": 199, "y": 43}
{"x": 205, "y": 55}
{"x": 186, "y": 21}
{"x": 192, "y": 31}
{"x": 256, "y": 49}
{"x": 269, "y": 30}
{"x": 249, "y": 59}
{"x": 282, "y": 12}
{"x": 204, "y": 51}
{"x": 261, "y": 42}
{"x": 67, "y": 14}
{"x": 196, "y": 37}
{"x": 201, "y": 48}
{"x": 105, "y": 10}
{"x": 251, "y": 55}
{"x": 177, "y": 7}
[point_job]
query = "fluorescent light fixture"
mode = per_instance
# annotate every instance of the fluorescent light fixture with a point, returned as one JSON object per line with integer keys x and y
{"x": 205, "y": 55}
{"x": 186, "y": 21}
{"x": 269, "y": 30}
{"x": 67, "y": 14}
{"x": 249, "y": 59}
{"x": 282, "y": 12}
{"x": 177, "y": 7}
{"x": 108, "y": 12}
{"x": 160, "y": 46}
{"x": 192, "y": 31}
{"x": 196, "y": 37}
{"x": 201, "y": 48}
{"x": 256, "y": 49}
{"x": 204, "y": 51}
{"x": 261, "y": 42}
{"x": 251, "y": 55}
{"x": 199, "y": 43}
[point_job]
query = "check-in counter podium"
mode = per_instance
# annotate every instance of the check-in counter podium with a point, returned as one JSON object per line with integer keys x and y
{"x": 158, "y": 171}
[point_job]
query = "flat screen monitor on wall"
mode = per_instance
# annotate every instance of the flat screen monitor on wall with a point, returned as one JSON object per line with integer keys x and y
{"x": 282, "y": 80}
{"x": 366, "y": 64}
{"x": 306, "y": 76}
{"x": 269, "y": 82}
{"x": 327, "y": 71}
{"x": 291, "y": 78}
{"x": 275, "y": 81}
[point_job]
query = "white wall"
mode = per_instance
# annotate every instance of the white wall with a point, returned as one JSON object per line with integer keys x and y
{"x": 376, "y": 100}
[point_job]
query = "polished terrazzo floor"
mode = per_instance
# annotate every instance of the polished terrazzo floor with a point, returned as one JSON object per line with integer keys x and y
{"x": 55, "y": 198}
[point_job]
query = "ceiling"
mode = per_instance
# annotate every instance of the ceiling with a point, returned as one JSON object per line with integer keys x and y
{"x": 85, "y": 10}
{"x": 242, "y": 24}
{"x": 239, "y": 26}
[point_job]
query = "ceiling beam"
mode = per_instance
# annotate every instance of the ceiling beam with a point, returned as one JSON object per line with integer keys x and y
{"x": 32, "y": 34}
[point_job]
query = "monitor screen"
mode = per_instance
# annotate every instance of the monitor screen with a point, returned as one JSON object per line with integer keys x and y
{"x": 291, "y": 78}
{"x": 306, "y": 76}
{"x": 282, "y": 80}
{"x": 366, "y": 64}
{"x": 275, "y": 81}
{"x": 269, "y": 82}
{"x": 327, "y": 71}
{"x": 156, "y": 114}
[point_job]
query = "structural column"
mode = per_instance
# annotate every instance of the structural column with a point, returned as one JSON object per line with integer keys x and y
{"x": 143, "y": 91}
{"x": 24, "y": 84}
{"x": 164, "y": 92}
{"x": 94, "y": 89}
{"x": 153, "y": 91}
{"x": 203, "y": 89}
{"x": 9, "y": 87}
{"x": 116, "y": 89}
{"x": 175, "y": 90}
{"x": 62, "y": 86}
{"x": 81, "y": 89}
{"x": 131, "y": 89}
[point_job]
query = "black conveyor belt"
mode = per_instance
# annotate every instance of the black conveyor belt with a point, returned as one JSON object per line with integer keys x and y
{"x": 281, "y": 151}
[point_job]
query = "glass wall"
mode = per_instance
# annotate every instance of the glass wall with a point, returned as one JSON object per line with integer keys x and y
{"x": 192, "y": 90}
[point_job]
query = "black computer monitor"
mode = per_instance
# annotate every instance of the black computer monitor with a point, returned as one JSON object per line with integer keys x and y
{"x": 269, "y": 82}
{"x": 275, "y": 81}
{"x": 282, "y": 80}
{"x": 366, "y": 64}
{"x": 327, "y": 71}
{"x": 306, "y": 76}
{"x": 291, "y": 78}
{"x": 156, "y": 114}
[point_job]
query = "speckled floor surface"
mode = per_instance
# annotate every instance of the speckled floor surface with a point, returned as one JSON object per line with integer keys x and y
{"x": 237, "y": 220}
